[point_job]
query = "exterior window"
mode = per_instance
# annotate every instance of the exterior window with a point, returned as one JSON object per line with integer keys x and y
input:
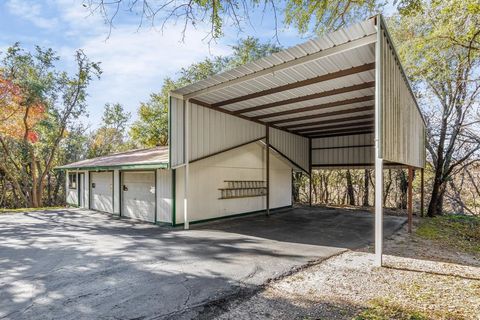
{"x": 72, "y": 180}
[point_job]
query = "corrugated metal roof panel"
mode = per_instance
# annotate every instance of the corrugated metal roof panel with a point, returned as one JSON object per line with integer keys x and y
{"x": 353, "y": 32}
{"x": 157, "y": 155}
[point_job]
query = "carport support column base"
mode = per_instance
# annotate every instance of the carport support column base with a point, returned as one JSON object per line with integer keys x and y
{"x": 378, "y": 211}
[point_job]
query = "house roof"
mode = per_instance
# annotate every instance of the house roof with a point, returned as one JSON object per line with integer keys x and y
{"x": 134, "y": 159}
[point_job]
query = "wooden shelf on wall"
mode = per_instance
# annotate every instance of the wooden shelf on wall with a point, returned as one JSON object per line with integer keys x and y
{"x": 243, "y": 189}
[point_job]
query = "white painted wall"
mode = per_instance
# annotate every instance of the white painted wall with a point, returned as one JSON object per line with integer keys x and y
{"x": 87, "y": 190}
{"x": 138, "y": 201}
{"x": 291, "y": 145}
{"x": 244, "y": 163}
{"x": 164, "y": 195}
{"x": 71, "y": 194}
{"x": 116, "y": 192}
{"x": 102, "y": 196}
{"x": 333, "y": 151}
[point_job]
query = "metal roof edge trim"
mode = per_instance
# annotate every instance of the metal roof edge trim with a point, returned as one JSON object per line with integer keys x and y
{"x": 159, "y": 165}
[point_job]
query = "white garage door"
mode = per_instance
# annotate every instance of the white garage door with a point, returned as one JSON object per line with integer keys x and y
{"x": 138, "y": 195}
{"x": 101, "y": 186}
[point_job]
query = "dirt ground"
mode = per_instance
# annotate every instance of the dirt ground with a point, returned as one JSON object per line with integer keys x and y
{"x": 421, "y": 279}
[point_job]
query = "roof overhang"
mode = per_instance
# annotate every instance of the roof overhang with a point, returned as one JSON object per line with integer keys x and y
{"x": 302, "y": 90}
{"x": 148, "y": 166}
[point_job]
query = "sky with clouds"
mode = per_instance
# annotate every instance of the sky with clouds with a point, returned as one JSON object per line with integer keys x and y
{"x": 134, "y": 60}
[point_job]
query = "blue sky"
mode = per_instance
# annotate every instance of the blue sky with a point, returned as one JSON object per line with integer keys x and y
{"x": 134, "y": 61}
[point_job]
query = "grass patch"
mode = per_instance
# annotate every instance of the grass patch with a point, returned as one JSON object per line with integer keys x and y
{"x": 382, "y": 309}
{"x": 2, "y": 210}
{"x": 459, "y": 231}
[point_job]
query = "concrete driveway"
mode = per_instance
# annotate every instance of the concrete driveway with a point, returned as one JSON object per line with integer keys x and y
{"x": 70, "y": 264}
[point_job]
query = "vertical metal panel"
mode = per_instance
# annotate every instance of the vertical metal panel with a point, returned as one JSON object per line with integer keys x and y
{"x": 293, "y": 146}
{"x": 341, "y": 150}
{"x": 138, "y": 198}
{"x": 212, "y": 131}
{"x": 87, "y": 189}
{"x": 102, "y": 194}
{"x": 71, "y": 194}
{"x": 164, "y": 195}
{"x": 403, "y": 139}
{"x": 176, "y": 131}
{"x": 242, "y": 164}
{"x": 116, "y": 191}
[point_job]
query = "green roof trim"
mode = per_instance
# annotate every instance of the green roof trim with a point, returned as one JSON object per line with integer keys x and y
{"x": 160, "y": 165}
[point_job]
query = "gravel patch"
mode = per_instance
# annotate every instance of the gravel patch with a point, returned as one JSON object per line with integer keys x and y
{"x": 348, "y": 286}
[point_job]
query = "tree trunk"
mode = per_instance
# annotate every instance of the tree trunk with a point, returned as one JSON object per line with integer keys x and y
{"x": 366, "y": 190}
{"x": 351, "y": 192}
{"x": 403, "y": 184}
{"x": 297, "y": 176}
{"x": 435, "y": 206}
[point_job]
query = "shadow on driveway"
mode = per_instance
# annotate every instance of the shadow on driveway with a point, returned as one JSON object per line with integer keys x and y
{"x": 70, "y": 264}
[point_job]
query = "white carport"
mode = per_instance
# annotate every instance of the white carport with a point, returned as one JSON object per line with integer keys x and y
{"x": 338, "y": 101}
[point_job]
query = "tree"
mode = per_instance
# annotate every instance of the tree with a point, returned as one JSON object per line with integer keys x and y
{"x": 111, "y": 136}
{"x": 39, "y": 106}
{"x": 151, "y": 128}
{"x": 316, "y": 16}
{"x": 439, "y": 43}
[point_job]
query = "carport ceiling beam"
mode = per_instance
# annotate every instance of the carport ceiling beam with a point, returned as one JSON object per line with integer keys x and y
{"x": 356, "y": 87}
{"x": 323, "y": 115}
{"x": 298, "y": 84}
{"x": 334, "y": 132}
{"x": 351, "y": 45}
{"x": 316, "y": 107}
{"x": 342, "y": 134}
{"x": 347, "y": 125}
{"x": 294, "y": 127}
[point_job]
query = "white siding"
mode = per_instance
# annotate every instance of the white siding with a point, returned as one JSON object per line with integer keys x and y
{"x": 102, "y": 195}
{"x": 138, "y": 199}
{"x": 403, "y": 130}
{"x": 176, "y": 131}
{"x": 116, "y": 191}
{"x": 292, "y": 146}
{"x": 164, "y": 195}
{"x": 332, "y": 150}
{"x": 87, "y": 190}
{"x": 71, "y": 194}
{"x": 244, "y": 163}
{"x": 213, "y": 131}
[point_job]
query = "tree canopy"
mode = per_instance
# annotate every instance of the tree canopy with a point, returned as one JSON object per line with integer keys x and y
{"x": 151, "y": 128}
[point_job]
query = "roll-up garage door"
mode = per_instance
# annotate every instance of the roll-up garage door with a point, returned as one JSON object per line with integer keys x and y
{"x": 138, "y": 195}
{"x": 101, "y": 188}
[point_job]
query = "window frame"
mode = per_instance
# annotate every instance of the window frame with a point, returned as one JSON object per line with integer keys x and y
{"x": 72, "y": 183}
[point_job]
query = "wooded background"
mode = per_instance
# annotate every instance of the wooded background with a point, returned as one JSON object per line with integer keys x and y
{"x": 438, "y": 42}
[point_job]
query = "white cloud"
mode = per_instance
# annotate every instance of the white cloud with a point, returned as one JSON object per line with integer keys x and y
{"x": 134, "y": 63}
{"x": 31, "y": 12}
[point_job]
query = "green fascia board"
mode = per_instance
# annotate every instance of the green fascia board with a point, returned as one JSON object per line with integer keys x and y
{"x": 161, "y": 165}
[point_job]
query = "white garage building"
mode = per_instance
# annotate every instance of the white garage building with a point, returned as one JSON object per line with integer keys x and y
{"x": 338, "y": 101}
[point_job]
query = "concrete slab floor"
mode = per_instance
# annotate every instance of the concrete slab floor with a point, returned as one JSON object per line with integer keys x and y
{"x": 71, "y": 264}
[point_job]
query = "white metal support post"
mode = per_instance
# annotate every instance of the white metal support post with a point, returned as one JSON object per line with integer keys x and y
{"x": 378, "y": 148}
{"x": 187, "y": 157}
{"x": 267, "y": 155}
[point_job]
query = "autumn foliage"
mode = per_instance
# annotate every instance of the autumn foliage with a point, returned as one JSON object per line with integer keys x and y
{"x": 17, "y": 118}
